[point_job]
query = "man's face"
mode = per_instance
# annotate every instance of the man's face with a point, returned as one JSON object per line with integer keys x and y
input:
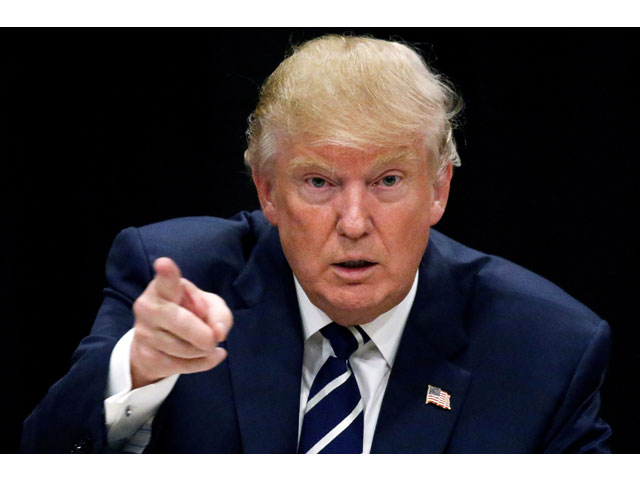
{"x": 353, "y": 225}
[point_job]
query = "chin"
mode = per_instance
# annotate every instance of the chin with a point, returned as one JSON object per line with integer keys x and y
{"x": 354, "y": 304}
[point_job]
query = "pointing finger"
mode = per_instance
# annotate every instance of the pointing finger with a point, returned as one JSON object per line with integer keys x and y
{"x": 168, "y": 279}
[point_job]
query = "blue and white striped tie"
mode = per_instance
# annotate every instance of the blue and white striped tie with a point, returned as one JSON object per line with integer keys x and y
{"x": 334, "y": 417}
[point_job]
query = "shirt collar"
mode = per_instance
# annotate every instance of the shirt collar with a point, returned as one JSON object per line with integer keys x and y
{"x": 385, "y": 331}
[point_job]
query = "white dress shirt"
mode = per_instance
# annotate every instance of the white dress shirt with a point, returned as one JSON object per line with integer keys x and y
{"x": 126, "y": 410}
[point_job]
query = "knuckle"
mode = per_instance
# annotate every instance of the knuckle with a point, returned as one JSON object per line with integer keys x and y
{"x": 227, "y": 316}
{"x": 142, "y": 307}
{"x": 219, "y": 302}
{"x": 219, "y": 311}
{"x": 138, "y": 307}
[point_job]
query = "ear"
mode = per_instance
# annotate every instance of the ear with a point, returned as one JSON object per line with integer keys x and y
{"x": 264, "y": 186}
{"x": 441, "y": 193}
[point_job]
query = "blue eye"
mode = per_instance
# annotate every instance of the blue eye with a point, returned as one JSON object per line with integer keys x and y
{"x": 389, "y": 180}
{"x": 317, "y": 182}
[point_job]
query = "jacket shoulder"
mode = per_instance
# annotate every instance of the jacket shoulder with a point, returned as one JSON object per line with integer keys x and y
{"x": 537, "y": 356}
{"x": 210, "y": 251}
{"x": 500, "y": 286}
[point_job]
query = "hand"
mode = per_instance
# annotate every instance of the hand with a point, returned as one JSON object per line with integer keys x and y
{"x": 177, "y": 327}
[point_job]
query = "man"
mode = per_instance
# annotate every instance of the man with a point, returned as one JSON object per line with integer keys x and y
{"x": 356, "y": 328}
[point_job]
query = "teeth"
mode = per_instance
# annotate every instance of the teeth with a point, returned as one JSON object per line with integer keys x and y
{"x": 356, "y": 263}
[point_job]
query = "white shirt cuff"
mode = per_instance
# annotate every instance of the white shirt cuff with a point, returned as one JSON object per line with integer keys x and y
{"x": 127, "y": 410}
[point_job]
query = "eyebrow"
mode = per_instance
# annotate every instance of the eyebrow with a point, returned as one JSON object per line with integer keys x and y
{"x": 382, "y": 160}
{"x": 309, "y": 161}
{"x": 386, "y": 158}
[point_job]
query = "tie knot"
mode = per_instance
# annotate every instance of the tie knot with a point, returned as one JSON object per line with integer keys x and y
{"x": 344, "y": 340}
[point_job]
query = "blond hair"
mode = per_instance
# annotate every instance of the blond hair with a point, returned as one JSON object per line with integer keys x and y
{"x": 355, "y": 92}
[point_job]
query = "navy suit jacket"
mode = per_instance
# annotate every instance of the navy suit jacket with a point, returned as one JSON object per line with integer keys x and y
{"x": 522, "y": 360}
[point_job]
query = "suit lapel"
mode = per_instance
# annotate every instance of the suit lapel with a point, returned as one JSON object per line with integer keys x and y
{"x": 433, "y": 334}
{"x": 266, "y": 349}
{"x": 265, "y": 352}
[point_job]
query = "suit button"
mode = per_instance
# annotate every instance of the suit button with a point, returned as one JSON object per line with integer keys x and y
{"x": 77, "y": 448}
{"x": 83, "y": 446}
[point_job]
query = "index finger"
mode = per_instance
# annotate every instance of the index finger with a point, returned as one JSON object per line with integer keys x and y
{"x": 167, "y": 280}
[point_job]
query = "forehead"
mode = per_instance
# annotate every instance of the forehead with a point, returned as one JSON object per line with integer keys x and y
{"x": 336, "y": 158}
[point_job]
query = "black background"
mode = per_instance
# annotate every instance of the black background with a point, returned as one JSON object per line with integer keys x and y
{"x": 107, "y": 128}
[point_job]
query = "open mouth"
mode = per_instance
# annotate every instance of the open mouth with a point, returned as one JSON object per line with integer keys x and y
{"x": 355, "y": 264}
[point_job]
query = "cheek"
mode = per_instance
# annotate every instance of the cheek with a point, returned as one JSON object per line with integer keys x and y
{"x": 303, "y": 219}
{"x": 305, "y": 230}
{"x": 406, "y": 219}
{"x": 405, "y": 231}
{"x": 294, "y": 218}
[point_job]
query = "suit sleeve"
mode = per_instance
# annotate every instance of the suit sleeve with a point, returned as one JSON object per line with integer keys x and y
{"x": 577, "y": 427}
{"x": 71, "y": 416}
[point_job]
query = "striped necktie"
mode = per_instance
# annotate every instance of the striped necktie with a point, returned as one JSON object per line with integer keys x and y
{"x": 334, "y": 417}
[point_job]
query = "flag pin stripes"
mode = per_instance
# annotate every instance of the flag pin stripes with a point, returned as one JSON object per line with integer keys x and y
{"x": 438, "y": 397}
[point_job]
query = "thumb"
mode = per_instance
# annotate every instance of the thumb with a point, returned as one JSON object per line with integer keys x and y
{"x": 168, "y": 279}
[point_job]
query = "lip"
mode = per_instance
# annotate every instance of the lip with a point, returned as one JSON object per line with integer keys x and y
{"x": 354, "y": 274}
{"x": 355, "y": 259}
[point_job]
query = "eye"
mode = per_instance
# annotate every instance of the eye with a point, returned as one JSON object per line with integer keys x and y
{"x": 317, "y": 182}
{"x": 389, "y": 180}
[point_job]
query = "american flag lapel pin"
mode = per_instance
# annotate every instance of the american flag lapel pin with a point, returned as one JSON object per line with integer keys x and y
{"x": 439, "y": 397}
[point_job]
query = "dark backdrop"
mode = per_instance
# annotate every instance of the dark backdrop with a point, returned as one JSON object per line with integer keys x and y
{"x": 107, "y": 128}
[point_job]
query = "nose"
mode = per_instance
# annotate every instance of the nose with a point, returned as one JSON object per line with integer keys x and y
{"x": 354, "y": 220}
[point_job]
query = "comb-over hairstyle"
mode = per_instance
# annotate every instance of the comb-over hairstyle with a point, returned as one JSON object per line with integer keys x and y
{"x": 355, "y": 92}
